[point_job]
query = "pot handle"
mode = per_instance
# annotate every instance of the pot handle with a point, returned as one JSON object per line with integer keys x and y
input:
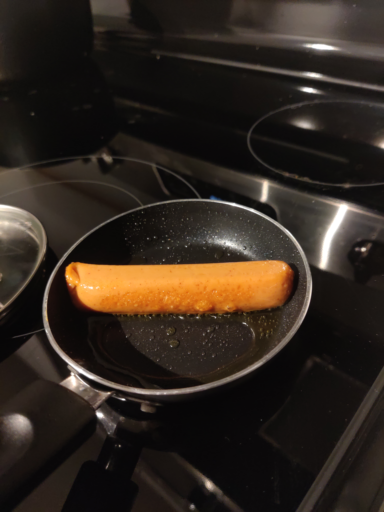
{"x": 40, "y": 426}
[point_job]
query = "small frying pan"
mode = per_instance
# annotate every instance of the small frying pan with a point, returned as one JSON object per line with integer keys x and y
{"x": 155, "y": 359}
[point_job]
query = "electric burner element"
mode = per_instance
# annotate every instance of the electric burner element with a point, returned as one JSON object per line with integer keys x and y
{"x": 324, "y": 142}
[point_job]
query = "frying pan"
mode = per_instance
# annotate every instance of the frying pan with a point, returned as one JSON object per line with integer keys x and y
{"x": 154, "y": 359}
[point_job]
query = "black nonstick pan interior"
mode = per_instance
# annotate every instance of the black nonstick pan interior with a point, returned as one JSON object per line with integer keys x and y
{"x": 169, "y": 352}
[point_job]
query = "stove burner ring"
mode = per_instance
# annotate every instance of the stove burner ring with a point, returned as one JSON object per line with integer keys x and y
{"x": 61, "y": 182}
{"x": 152, "y": 165}
{"x": 324, "y": 142}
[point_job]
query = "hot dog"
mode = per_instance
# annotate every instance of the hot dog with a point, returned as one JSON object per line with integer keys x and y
{"x": 189, "y": 289}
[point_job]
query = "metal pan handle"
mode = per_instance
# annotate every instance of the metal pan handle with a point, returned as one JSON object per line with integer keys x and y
{"x": 39, "y": 427}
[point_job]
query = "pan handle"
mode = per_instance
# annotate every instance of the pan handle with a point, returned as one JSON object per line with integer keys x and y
{"x": 40, "y": 426}
{"x": 106, "y": 484}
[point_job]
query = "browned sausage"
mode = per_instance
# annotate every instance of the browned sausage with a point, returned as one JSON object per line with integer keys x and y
{"x": 197, "y": 288}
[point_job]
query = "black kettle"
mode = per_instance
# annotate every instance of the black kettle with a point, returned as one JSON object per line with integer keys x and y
{"x": 43, "y": 37}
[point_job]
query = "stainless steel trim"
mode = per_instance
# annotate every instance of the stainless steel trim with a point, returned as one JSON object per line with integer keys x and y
{"x": 93, "y": 396}
{"x": 196, "y": 389}
{"x": 309, "y": 75}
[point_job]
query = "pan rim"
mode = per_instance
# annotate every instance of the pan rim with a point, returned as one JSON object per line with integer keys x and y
{"x": 158, "y": 393}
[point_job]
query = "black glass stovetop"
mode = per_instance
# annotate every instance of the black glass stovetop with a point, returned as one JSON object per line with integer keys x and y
{"x": 134, "y": 129}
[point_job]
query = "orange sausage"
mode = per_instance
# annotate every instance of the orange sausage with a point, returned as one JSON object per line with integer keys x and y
{"x": 199, "y": 288}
